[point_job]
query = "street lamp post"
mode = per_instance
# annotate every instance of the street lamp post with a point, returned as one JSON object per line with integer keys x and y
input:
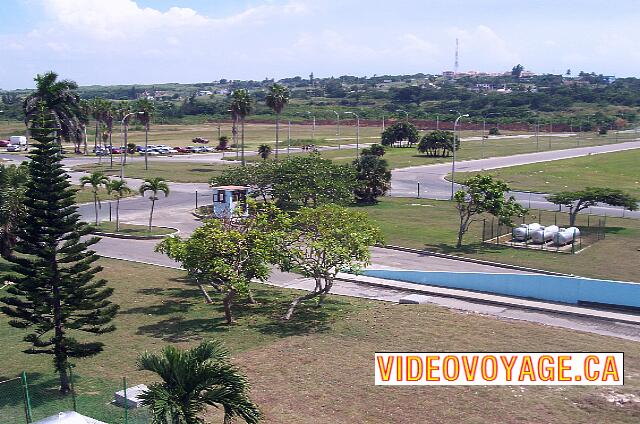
{"x": 405, "y": 113}
{"x": 453, "y": 164}
{"x": 288, "y": 137}
{"x": 338, "y": 124}
{"x": 357, "y": 131}
{"x": 313, "y": 128}
{"x": 537, "y": 133}
{"x": 123, "y": 154}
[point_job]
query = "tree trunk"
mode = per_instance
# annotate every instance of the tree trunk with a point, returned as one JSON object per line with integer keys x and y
{"x": 110, "y": 150}
{"x": 277, "y": 133}
{"x": 242, "y": 124}
{"x": 250, "y": 297}
{"x": 117, "y": 214}
{"x": 59, "y": 348}
{"x": 95, "y": 139}
{"x": 146, "y": 146}
{"x": 153, "y": 203}
{"x": 126, "y": 140}
{"x": 95, "y": 204}
{"x": 227, "y": 302}
{"x": 207, "y": 298}
{"x": 316, "y": 292}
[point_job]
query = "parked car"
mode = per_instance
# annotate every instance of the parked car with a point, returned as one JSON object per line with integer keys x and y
{"x": 199, "y": 149}
{"x": 201, "y": 140}
{"x": 100, "y": 151}
{"x": 15, "y": 148}
{"x": 182, "y": 149}
{"x": 4, "y": 143}
{"x": 116, "y": 150}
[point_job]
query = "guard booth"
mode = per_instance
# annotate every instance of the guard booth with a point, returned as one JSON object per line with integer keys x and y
{"x": 230, "y": 201}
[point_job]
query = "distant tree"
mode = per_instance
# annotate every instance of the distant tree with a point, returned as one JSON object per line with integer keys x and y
{"x": 484, "y": 194}
{"x": 60, "y": 98}
{"x": 241, "y": 105}
{"x": 193, "y": 379}
{"x": 517, "y": 70}
{"x": 96, "y": 180}
{"x": 147, "y": 108}
{"x": 373, "y": 178}
{"x": 318, "y": 243}
{"x": 438, "y": 143}
{"x": 603, "y": 130}
{"x": 579, "y": 200}
{"x": 119, "y": 189}
{"x": 223, "y": 143}
{"x": 374, "y": 149}
{"x": 155, "y": 186}
{"x": 56, "y": 295}
{"x": 13, "y": 181}
{"x": 131, "y": 148}
{"x": 568, "y": 72}
{"x": 264, "y": 151}
{"x": 277, "y": 98}
{"x": 398, "y": 132}
{"x": 257, "y": 176}
{"x": 494, "y": 131}
{"x": 312, "y": 181}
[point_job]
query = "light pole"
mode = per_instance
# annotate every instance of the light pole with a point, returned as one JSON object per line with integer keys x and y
{"x": 484, "y": 125}
{"x": 437, "y": 122}
{"x": 405, "y": 113}
{"x": 383, "y": 123}
{"x": 338, "y": 124}
{"x": 123, "y": 154}
{"x": 453, "y": 164}
{"x": 313, "y": 128}
{"x": 537, "y": 133}
{"x": 288, "y": 137}
{"x": 357, "y": 131}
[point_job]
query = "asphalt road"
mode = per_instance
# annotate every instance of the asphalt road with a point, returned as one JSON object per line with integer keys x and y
{"x": 404, "y": 182}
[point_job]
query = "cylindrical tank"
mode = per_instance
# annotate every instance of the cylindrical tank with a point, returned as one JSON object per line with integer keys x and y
{"x": 523, "y": 232}
{"x": 544, "y": 234}
{"x": 566, "y": 236}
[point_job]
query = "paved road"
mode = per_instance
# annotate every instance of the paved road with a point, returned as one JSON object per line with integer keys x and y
{"x": 434, "y": 186}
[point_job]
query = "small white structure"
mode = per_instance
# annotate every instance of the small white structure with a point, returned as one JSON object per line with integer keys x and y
{"x": 133, "y": 396}
{"x": 523, "y": 232}
{"x": 18, "y": 140}
{"x": 68, "y": 417}
{"x": 230, "y": 201}
{"x": 566, "y": 236}
{"x": 544, "y": 234}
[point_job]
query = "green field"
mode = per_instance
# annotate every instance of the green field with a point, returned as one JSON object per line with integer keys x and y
{"x": 132, "y": 229}
{"x": 318, "y": 367}
{"x": 617, "y": 170}
{"x": 433, "y": 225}
{"x": 181, "y": 172}
{"x": 85, "y": 194}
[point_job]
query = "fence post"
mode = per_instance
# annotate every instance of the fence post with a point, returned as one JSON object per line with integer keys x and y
{"x": 555, "y": 218}
{"x": 418, "y": 190}
{"x": 109, "y": 211}
{"x": 73, "y": 389}
{"x": 196, "y": 199}
{"x": 484, "y": 226}
{"x": 126, "y": 401}
{"x": 27, "y": 399}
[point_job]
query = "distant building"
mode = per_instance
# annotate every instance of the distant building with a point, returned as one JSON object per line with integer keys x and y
{"x": 205, "y": 93}
{"x": 230, "y": 201}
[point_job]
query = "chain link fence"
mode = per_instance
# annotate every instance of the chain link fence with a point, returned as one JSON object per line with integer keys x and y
{"x": 31, "y": 397}
{"x": 590, "y": 229}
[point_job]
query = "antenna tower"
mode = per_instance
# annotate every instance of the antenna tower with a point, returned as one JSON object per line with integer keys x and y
{"x": 455, "y": 66}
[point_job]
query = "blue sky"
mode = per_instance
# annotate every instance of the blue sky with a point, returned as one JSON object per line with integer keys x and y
{"x": 155, "y": 41}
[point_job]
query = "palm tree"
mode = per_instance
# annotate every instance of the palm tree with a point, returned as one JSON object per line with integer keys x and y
{"x": 154, "y": 185}
{"x": 194, "y": 379}
{"x": 264, "y": 151}
{"x": 147, "y": 108}
{"x": 276, "y": 99}
{"x": 119, "y": 189}
{"x": 96, "y": 180}
{"x": 59, "y": 98}
{"x": 87, "y": 109}
{"x": 241, "y": 105}
{"x": 109, "y": 112}
{"x": 124, "y": 108}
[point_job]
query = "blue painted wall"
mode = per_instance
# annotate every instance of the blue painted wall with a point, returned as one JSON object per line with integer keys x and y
{"x": 535, "y": 286}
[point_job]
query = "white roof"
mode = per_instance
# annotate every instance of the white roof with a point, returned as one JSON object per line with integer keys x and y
{"x": 68, "y": 417}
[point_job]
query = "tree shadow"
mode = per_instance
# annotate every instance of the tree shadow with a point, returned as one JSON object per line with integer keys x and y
{"x": 470, "y": 248}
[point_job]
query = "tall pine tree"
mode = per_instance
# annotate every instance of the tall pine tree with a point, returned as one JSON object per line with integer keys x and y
{"x": 56, "y": 295}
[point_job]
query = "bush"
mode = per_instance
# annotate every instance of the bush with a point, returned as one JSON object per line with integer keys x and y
{"x": 398, "y": 132}
{"x": 494, "y": 131}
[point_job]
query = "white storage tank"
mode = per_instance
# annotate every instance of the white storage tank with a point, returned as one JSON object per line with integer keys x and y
{"x": 566, "y": 236}
{"x": 544, "y": 234}
{"x": 523, "y": 232}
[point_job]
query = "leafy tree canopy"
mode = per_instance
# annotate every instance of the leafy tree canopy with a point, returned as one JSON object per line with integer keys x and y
{"x": 399, "y": 131}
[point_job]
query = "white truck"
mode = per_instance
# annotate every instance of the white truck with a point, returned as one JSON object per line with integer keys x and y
{"x": 18, "y": 140}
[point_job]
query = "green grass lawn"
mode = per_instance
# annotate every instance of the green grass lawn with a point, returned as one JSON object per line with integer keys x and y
{"x": 132, "y": 229}
{"x": 181, "y": 172}
{"x": 85, "y": 194}
{"x": 318, "y": 367}
{"x": 433, "y": 224}
{"x": 617, "y": 170}
{"x": 402, "y": 157}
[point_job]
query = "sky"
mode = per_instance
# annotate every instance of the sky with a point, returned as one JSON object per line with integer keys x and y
{"x": 157, "y": 41}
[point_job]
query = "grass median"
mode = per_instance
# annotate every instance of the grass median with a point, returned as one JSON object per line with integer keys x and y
{"x": 180, "y": 172}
